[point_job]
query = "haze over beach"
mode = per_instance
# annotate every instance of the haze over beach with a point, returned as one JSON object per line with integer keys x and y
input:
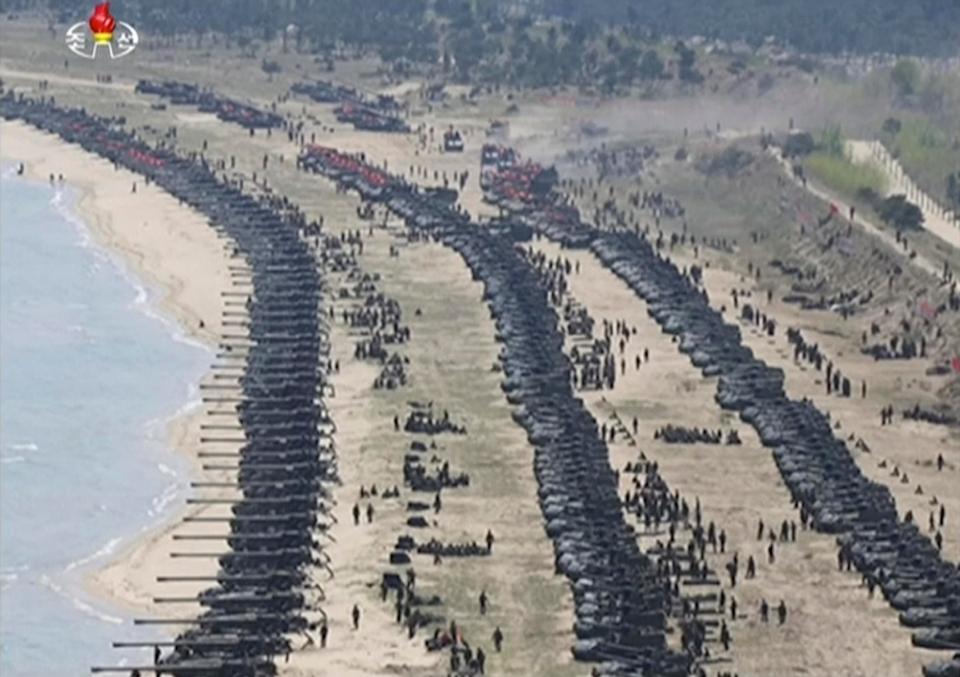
{"x": 452, "y": 338}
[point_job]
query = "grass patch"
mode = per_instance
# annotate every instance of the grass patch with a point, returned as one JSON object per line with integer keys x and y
{"x": 927, "y": 153}
{"x": 841, "y": 174}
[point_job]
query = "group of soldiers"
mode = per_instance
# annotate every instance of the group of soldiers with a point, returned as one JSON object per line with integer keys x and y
{"x": 673, "y": 434}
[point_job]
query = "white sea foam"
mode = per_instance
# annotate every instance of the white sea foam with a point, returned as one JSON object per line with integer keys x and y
{"x": 163, "y": 500}
{"x": 78, "y": 603}
{"x": 105, "y": 551}
{"x": 23, "y": 446}
{"x": 10, "y": 575}
{"x": 8, "y": 460}
{"x": 143, "y": 300}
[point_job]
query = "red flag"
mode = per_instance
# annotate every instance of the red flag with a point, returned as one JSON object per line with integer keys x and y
{"x": 927, "y": 310}
{"x": 956, "y": 364}
{"x": 834, "y": 209}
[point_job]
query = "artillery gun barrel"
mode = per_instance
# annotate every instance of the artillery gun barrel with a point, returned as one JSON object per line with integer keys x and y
{"x": 254, "y": 518}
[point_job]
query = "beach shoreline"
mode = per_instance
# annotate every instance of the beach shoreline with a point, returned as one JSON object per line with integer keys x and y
{"x": 171, "y": 250}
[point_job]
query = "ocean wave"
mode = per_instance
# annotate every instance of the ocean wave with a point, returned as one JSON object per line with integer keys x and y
{"x": 78, "y": 603}
{"x": 7, "y": 460}
{"x": 143, "y": 301}
{"x": 188, "y": 406}
{"x": 10, "y": 575}
{"x": 164, "y": 499}
{"x": 106, "y": 550}
{"x": 166, "y": 470}
{"x": 23, "y": 446}
{"x": 156, "y": 428}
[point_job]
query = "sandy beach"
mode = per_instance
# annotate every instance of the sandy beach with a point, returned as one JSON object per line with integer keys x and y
{"x": 176, "y": 254}
{"x": 343, "y": 507}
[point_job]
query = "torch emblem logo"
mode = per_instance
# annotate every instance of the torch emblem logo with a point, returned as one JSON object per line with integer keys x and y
{"x": 116, "y": 38}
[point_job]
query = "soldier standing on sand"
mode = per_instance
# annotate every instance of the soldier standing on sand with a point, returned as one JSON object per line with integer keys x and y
{"x": 764, "y": 611}
{"x": 483, "y": 602}
{"x": 498, "y": 639}
{"x": 355, "y": 614}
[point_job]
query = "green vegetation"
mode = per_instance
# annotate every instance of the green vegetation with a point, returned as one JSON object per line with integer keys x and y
{"x": 899, "y": 213}
{"x": 918, "y": 27}
{"x": 894, "y": 210}
{"x": 905, "y": 76}
{"x": 832, "y": 142}
{"x": 843, "y": 175}
{"x": 798, "y": 145}
{"x": 831, "y": 165}
{"x": 953, "y": 191}
{"x": 927, "y": 153}
{"x": 604, "y": 45}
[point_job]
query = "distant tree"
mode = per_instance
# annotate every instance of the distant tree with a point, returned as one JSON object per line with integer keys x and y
{"x": 687, "y": 70}
{"x": 613, "y": 44}
{"x": 468, "y": 49}
{"x": 832, "y": 142}
{"x": 953, "y": 189}
{"x": 651, "y": 66}
{"x": 765, "y": 83}
{"x": 900, "y": 213}
{"x": 906, "y": 76}
{"x": 798, "y": 145}
{"x": 892, "y": 126}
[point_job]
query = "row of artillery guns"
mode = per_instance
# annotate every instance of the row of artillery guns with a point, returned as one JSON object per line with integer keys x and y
{"x": 817, "y": 467}
{"x": 378, "y": 114}
{"x": 620, "y": 601}
{"x": 271, "y": 370}
{"x": 229, "y": 110}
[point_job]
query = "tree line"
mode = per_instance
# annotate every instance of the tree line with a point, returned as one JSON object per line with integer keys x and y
{"x": 918, "y": 27}
{"x": 604, "y": 43}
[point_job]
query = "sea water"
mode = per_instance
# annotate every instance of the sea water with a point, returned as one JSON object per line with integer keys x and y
{"x": 90, "y": 376}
